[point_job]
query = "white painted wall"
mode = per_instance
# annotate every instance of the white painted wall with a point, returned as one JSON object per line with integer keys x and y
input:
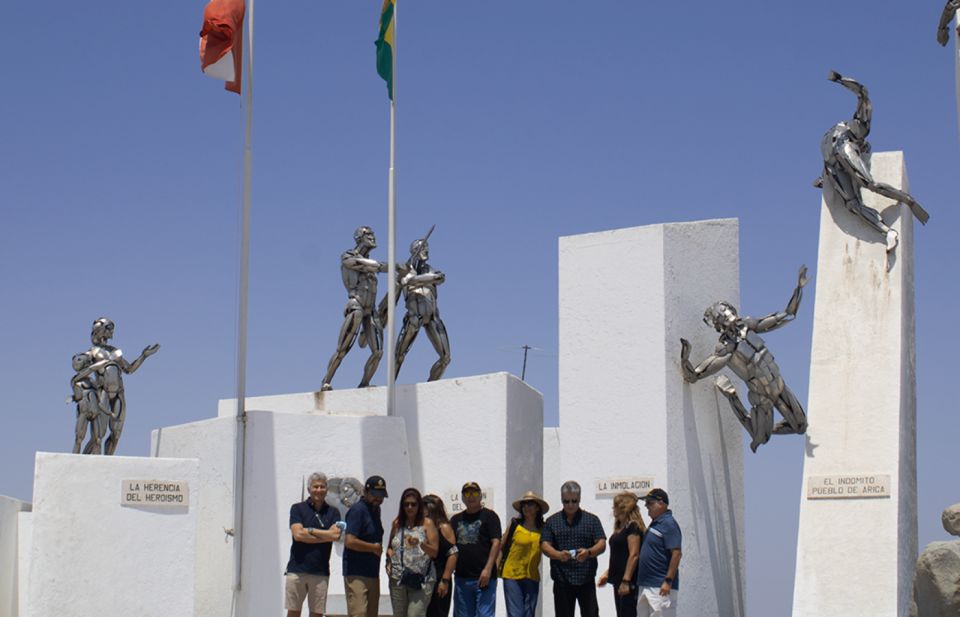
{"x": 24, "y": 544}
{"x": 626, "y": 298}
{"x": 10, "y": 510}
{"x": 92, "y": 556}
{"x": 856, "y": 556}
{"x": 212, "y": 442}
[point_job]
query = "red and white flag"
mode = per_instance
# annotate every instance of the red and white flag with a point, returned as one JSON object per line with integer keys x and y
{"x": 221, "y": 42}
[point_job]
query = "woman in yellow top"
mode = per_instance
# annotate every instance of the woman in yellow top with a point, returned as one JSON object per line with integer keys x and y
{"x": 520, "y": 556}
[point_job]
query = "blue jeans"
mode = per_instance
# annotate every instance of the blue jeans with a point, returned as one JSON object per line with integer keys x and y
{"x": 471, "y": 601}
{"x": 521, "y": 596}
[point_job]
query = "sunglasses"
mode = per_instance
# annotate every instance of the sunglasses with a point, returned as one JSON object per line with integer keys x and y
{"x": 410, "y": 504}
{"x": 569, "y": 501}
{"x": 471, "y": 493}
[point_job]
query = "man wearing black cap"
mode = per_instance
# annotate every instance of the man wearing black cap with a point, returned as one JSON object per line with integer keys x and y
{"x": 658, "y": 578}
{"x": 478, "y": 543}
{"x": 362, "y": 548}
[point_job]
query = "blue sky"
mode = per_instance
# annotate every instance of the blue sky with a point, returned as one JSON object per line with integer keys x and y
{"x": 521, "y": 122}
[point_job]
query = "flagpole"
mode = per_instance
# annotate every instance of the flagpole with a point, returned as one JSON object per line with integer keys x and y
{"x": 392, "y": 235}
{"x": 240, "y": 450}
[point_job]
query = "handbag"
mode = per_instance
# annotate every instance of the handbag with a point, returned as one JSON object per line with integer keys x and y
{"x": 408, "y": 578}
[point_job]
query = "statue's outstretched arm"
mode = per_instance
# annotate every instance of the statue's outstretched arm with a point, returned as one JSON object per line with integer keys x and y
{"x": 427, "y": 278}
{"x": 708, "y": 367}
{"x": 775, "y": 320}
{"x": 130, "y": 367}
{"x": 864, "y": 113}
{"x": 949, "y": 11}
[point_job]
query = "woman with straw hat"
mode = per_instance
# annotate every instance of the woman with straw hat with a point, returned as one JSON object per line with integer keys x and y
{"x": 519, "y": 563}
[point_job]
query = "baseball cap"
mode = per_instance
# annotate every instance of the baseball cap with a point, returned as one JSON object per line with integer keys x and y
{"x": 376, "y": 486}
{"x": 657, "y": 493}
{"x": 470, "y": 486}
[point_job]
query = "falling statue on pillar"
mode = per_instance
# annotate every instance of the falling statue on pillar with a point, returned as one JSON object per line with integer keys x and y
{"x": 747, "y": 355}
{"x": 846, "y": 170}
{"x": 949, "y": 12}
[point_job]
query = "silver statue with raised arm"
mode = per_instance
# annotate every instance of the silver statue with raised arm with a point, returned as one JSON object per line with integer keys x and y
{"x": 101, "y": 369}
{"x": 359, "y": 273}
{"x": 846, "y": 171}
{"x": 949, "y": 12}
{"x": 418, "y": 281}
{"x": 742, "y": 349}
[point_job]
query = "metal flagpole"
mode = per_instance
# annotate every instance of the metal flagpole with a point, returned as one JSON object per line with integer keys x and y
{"x": 240, "y": 449}
{"x": 392, "y": 233}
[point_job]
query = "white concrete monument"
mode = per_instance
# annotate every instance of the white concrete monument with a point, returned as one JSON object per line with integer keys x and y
{"x": 857, "y": 542}
{"x": 10, "y": 510}
{"x": 628, "y": 419}
{"x": 113, "y": 535}
{"x": 486, "y": 428}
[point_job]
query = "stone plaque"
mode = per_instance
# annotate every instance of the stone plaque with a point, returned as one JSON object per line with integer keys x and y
{"x": 453, "y": 500}
{"x": 609, "y": 487}
{"x": 155, "y": 493}
{"x": 848, "y": 486}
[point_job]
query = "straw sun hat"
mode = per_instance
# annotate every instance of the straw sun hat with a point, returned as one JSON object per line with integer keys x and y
{"x": 531, "y": 496}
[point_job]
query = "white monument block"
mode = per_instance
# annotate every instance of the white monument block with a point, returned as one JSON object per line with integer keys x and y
{"x": 24, "y": 541}
{"x": 486, "y": 428}
{"x": 857, "y": 547}
{"x": 10, "y": 510}
{"x": 627, "y": 296}
{"x": 91, "y": 555}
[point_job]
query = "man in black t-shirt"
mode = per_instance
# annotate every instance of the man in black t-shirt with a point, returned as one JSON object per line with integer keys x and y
{"x": 478, "y": 542}
{"x": 313, "y": 525}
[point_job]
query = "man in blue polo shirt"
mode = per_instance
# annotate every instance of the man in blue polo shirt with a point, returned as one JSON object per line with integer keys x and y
{"x": 313, "y": 525}
{"x": 658, "y": 578}
{"x": 362, "y": 548}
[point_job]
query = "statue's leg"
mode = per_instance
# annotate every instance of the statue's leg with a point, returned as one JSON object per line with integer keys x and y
{"x": 119, "y": 410}
{"x": 762, "y": 416}
{"x": 794, "y": 418}
{"x": 348, "y": 335}
{"x": 373, "y": 334}
{"x": 437, "y": 333}
{"x": 727, "y": 389}
{"x": 854, "y": 176}
{"x": 408, "y": 334}
{"x": 81, "y": 430}
{"x": 901, "y": 196}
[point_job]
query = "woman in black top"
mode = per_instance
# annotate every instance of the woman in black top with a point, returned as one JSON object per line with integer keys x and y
{"x": 624, "y": 543}
{"x": 446, "y": 559}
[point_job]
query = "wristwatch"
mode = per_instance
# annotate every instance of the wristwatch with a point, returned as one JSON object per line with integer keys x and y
{"x": 668, "y": 580}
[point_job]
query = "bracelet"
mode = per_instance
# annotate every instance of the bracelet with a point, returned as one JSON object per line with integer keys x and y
{"x": 445, "y": 580}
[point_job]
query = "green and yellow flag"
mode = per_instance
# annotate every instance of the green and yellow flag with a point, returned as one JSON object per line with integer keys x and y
{"x": 385, "y": 45}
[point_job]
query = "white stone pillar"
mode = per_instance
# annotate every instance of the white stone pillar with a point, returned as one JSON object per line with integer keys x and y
{"x": 627, "y": 296}
{"x": 109, "y": 536}
{"x": 857, "y": 541}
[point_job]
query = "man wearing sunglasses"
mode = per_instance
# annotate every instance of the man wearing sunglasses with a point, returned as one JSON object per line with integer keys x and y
{"x": 478, "y": 543}
{"x": 572, "y": 539}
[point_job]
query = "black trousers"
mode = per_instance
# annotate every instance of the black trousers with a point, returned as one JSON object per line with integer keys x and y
{"x": 566, "y": 597}
{"x": 440, "y": 607}
{"x": 626, "y": 605}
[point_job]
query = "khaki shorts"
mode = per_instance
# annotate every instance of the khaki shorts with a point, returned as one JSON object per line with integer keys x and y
{"x": 363, "y": 596}
{"x": 309, "y": 587}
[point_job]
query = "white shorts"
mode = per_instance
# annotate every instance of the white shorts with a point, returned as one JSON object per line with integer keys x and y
{"x": 651, "y": 604}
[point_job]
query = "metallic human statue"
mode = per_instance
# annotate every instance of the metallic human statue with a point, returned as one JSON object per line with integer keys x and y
{"x": 949, "y": 12}
{"x": 92, "y": 409}
{"x": 747, "y": 355}
{"x": 359, "y": 274}
{"x": 419, "y": 281}
{"x": 344, "y": 492}
{"x": 846, "y": 172}
{"x": 111, "y": 365}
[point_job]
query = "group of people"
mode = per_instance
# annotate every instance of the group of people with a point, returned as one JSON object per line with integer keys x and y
{"x": 432, "y": 559}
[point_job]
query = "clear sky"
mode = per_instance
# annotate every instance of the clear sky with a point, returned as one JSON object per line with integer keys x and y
{"x": 520, "y": 121}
